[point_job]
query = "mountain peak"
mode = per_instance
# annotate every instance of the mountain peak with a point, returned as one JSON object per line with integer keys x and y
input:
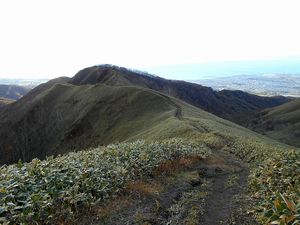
{"x": 108, "y": 74}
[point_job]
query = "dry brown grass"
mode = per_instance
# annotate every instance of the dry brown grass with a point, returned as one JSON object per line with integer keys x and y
{"x": 173, "y": 166}
{"x": 113, "y": 206}
{"x": 145, "y": 188}
{"x": 166, "y": 168}
{"x": 103, "y": 211}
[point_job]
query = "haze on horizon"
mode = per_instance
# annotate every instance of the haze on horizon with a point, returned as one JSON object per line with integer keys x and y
{"x": 47, "y": 39}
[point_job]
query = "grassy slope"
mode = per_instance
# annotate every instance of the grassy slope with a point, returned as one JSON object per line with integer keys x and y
{"x": 100, "y": 114}
{"x": 58, "y": 117}
{"x": 66, "y": 117}
{"x": 289, "y": 112}
{"x": 87, "y": 177}
{"x": 89, "y": 115}
{"x": 281, "y": 122}
{"x": 223, "y": 103}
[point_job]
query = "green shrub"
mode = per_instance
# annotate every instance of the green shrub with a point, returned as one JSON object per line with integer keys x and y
{"x": 277, "y": 182}
{"x": 282, "y": 211}
{"x": 274, "y": 180}
{"x": 40, "y": 191}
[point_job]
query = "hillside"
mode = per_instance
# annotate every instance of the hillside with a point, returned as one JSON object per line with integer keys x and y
{"x": 97, "y": 109}
{"x": 106, "y": 104}
{"x": 66, "y": 117}
{"x": 223, "y": 103}
{"x": 57, "y": 117}
{"x": 281, "y": 122}
{"x": 13, "y": 91}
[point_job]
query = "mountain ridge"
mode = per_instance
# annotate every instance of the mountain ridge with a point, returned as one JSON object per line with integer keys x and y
{"x": 106, "y": 104}
{"x": 67, "y": 117}
{"x": 223, "y": 103}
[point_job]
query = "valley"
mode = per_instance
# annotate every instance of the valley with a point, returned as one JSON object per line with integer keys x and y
{"x": 12, "y": 92}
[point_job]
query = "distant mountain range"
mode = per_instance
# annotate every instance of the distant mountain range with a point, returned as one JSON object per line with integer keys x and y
{"x": 14, "y": 89}
{"x": 13, "y": 92}
{"x": 30, "y": 83}
{"x": 265, "y": 84}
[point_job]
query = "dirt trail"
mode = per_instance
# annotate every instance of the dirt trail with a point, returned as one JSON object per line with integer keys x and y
{"x": 178, "y": 112}
{"x": 202, "y": 194}
{"x": 231, "y": 182}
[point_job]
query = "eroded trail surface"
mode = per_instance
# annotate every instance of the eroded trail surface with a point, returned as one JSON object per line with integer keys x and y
{"x": 205, "y": 192}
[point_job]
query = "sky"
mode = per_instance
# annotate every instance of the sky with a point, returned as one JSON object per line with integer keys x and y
{"x": 214, "y": 69}
{"x": 51, "y": 38}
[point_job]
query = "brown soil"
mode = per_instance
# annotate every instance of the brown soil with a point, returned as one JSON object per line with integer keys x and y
{"x": 208, "y": 192}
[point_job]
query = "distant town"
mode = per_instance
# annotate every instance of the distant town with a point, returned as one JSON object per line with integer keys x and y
{"x": 264, "y": 85}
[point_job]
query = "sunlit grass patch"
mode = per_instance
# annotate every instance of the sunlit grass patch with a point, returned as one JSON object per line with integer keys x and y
{"x": 173, "y": 166}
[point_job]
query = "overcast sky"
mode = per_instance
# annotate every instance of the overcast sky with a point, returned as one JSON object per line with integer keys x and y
{"x": 50, "y": 38}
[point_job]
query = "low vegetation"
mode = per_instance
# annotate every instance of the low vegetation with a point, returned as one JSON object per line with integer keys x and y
{"x": 274, "y": 181}
{"x": 45, "y": 191}
{"x": 278, "y": 182}
{"x": 65, "y": 186}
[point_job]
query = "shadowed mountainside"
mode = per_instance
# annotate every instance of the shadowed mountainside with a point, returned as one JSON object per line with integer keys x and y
{"x": 75, "y": 117}
{"x": 60, "y": 117}
{"x": 223, "y": 103}
{"x": 281, "y": 122}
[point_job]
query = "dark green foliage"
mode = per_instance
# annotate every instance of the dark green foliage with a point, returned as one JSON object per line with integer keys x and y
{"x": 274, "y": 180}
{"x": 43, "y": 191}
